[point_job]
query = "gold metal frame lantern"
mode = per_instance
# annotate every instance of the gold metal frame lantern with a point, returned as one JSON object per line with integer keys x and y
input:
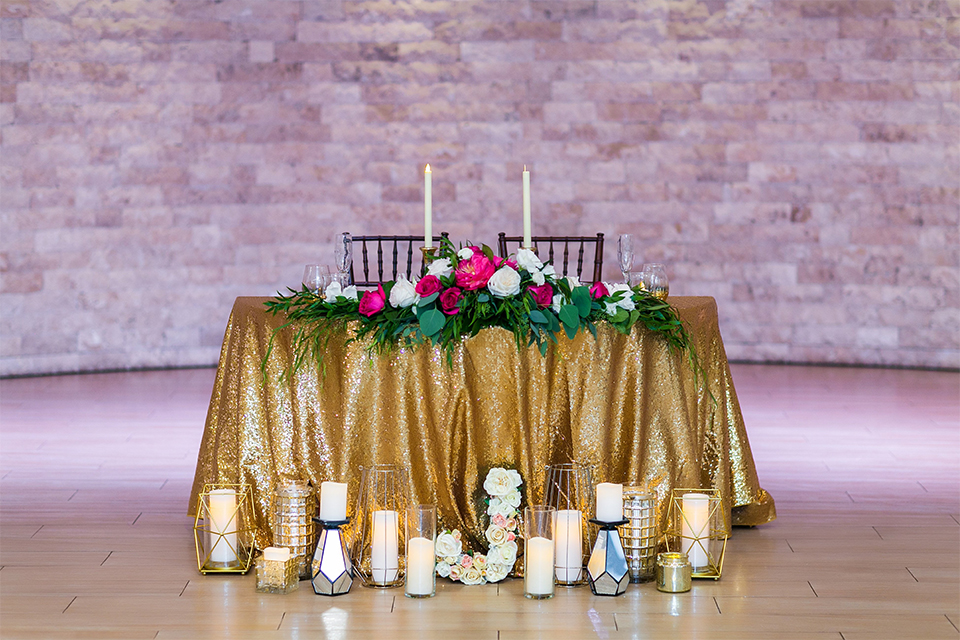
{"x": 224, "y": 528}
{"x": 698, "y": 525}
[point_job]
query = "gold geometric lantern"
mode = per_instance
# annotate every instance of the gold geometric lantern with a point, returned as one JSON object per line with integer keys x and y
{"x": 697, "y": 525}
{"x": 224, "y": 528}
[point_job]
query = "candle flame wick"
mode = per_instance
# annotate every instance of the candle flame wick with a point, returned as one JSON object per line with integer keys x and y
{"x": 524, "y": 167}
{"x": 427, "y": 170}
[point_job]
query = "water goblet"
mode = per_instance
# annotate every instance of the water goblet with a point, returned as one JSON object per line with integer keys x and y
{"x": 654, "y": 280}
{"x": 315, "y": 278}
{"x": 625, "y": 254}
{"x": 343, "y": 250}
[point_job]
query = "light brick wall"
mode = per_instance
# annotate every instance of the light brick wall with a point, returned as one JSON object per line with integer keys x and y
{"x": 796, "y": 159}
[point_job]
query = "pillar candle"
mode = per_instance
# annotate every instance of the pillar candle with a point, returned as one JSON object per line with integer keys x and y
{"x": 609, "y": 502}
{"x": 538, "y": 573}
{"x": 527, "y": 242}
{"x": 427, "y": 207}
{"x": 569, "y": 543}
{"x": 333, "y": 501}
{"x": 696, "y": 518}
{"x": 223, "y": 509}
{"x": 384, "y": 560}
{"x": 276, "y": 554}
{"x": 420, "y": 566}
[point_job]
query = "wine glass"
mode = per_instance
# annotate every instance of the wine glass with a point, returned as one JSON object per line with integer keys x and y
{"x": 625, "y": 255}
{"x": 654, "y": 280}
{"x": 343, "y": 252}
{"x": 316, "y": 277}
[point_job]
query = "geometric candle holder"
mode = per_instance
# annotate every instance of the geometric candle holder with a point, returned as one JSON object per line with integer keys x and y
{"x": 697, "y": 525}
{"x": 224, "y": 528}
{"x": 607, "y": 569}
{"x": 640, "y": 537}
{"x": 294, "y": 507}
{"x": 331, "y": 566}
{"x": 569, "y": 490}
{"x": 379, "y": 542}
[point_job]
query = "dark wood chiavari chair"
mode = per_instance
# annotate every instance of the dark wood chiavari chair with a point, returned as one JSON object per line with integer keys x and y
{"x": 561, "y": 259}
{"x": 393, "y": 247}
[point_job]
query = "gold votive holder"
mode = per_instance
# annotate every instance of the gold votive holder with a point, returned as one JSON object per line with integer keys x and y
{"x": 294, "y": 508}
{"x": 698, "y": 525}
{"x": 278, "y": 576}
{"x": 673, "y": 572}
{"x": 224, "y": 528}
{"x": 429, "y": 254}
{"x": 640, "y": 534}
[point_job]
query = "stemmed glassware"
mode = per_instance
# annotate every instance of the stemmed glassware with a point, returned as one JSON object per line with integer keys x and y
{"x": 316, "y": 277}
{"x": 625, "y": 255}
{"x": 343, "y": 251}
{"x": 653, "y": 280}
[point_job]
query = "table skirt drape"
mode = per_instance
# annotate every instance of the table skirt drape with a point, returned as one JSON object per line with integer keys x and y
{"x": 626, "y": 404}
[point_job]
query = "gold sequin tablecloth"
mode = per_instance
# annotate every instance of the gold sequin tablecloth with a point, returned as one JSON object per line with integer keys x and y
{"x": 624, "y": 403}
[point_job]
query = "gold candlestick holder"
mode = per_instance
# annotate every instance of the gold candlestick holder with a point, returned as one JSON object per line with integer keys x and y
{"x": 429, "y": 254}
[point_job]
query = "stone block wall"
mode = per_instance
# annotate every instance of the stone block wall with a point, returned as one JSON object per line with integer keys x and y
{"x": 795, "y": 159}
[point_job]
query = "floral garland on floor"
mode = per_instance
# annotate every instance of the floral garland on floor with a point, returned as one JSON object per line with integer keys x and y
{"x": 503, "y": 507}
{"x": 465, "y": 291}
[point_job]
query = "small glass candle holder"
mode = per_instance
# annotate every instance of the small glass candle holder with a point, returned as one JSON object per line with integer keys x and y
{"x": 654, "y": 280}
{"x": 421, "y": 577}
{"x": 538, "y": 556}
{"x": 278, "y": 571}
{"x": 673, "y": 572}
{"x": 640, "y": 536}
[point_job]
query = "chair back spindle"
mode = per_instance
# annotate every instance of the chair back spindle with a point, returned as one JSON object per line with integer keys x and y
{"x": 563, "y": 268}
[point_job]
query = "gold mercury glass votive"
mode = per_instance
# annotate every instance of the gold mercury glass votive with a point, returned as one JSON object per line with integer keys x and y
{"x": 277, "y": 575}
{"x": 294, "y": 507}
{"x": 673, "y": 573}
{"x": 640, "y": 533}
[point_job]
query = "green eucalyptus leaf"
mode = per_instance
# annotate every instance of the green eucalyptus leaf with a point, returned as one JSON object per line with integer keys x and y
{"x": 431, "y": 323}
{"x": 424, "y": 301}
{"x": 581, "y": 298}
{"x": 537, "y": 316}
{"x": 570, "y": 317}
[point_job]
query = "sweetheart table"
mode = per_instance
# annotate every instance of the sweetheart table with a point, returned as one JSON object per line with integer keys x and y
{"x": 625, "y": 403}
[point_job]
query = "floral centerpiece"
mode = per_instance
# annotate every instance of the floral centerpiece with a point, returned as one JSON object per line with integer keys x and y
{"x": 503, "y": 508}
{"x": 465, "y": 291}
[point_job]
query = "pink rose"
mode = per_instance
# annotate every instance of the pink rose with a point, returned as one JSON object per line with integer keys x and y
{"x": 373, "y": 302}
{"x": 542, "y": 295}
{"x": 474, "y": 273}
{"x": 598, "y": 290}
{"x": 449, "y": 300}
{"x": 466, "y": 561}
{"x": 499, "y": 520}
{"x": 511, "y": 537}
{"x": 428, "y": 285}
{"x": 499, "y": 262}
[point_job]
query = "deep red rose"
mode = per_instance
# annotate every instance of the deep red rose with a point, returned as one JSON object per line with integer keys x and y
{"x": 598, "y": 290}
{"x": 449, "y": 300}
{"x": 542, "y": 295}
{"x": 474, "y": 273}
{"x": 373, "y": 302}
{"x": 428, "y": 285}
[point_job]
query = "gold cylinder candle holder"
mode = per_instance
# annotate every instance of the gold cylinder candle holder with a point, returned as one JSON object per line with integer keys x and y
{"x": 673, "y": 573}
{"x": 294, "y": 508}
{"x": 224, "y": 528}
{"x": 379, "y": 542}
{"x": 640, "y": 535}
{"x": 698, "y": 525}
{"x": 278, "y": 571}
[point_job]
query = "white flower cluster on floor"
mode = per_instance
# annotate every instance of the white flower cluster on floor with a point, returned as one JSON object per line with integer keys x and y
{"x": 503, "y": 507}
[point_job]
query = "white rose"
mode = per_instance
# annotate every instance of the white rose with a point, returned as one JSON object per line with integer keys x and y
{"x": 504, "y": 283}
{"x": 502, "y": 508}
{"x": 512, "y": 499}
{"x": 451, "y": 560}
{"x": 549, "y": 271}
{"x": 498, "y": 482}
{"x": 507, "y": 552}
{"x": 494, "y": 507}
{"x": 448, "y": 545}
{"x": 573, "y": 282}
{"x": 333, "y": 291}
{"x": 557, "y": 303}
{"x": 626, "y": 301}
{"x": 496, "y": 572}
{"x": 610, "y": 308}
{"x": 471, "y": 576}
{"x": 350, "y": 292}
{"x": 496, "y": 535}
{"x": 528, "y": 260}
{"x": 440, "y": 268}
{"x": 403, "y": 293}
{"x": 443, "y": 569}
{"x": 515, "y": 478}
{"x": 465, "y": 254}
{"x": 538, "y": 278}
{"x": 455, "y": 572}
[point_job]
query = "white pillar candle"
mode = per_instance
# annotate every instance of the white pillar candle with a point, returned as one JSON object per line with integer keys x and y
{"x": 333, "y": 501}
{"x": 569, "y": 542}
{"x": 223, "y": 510}
{"x": 609, "y": 502}
{"x": 384, "y": 557}
{"x": 527, "y": 242}
{"x": 696, "y": 518}
{"x": 276, "y": 554}
{"x": 427, "y": 207}
{"x": 420, "y": 566}
{"x": 538, "y": 572}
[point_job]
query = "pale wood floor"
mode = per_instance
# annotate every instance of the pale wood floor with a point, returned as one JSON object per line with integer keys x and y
{"x": 95, "y": 471}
